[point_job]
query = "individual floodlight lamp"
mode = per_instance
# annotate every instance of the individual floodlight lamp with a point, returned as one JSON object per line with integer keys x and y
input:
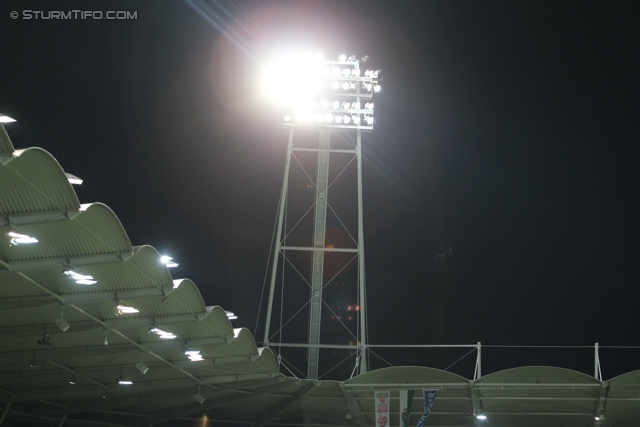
{"x": 193, "y": 355}
{"x": 125, "y": 309}
{"x": 18, "y": 238}
{"x": 141, "y": 365}
{"x": 122, "y": 380}
{"x": 6, "y": 119}
{"x": 45, "y": 340}
{"x": 61, "y": 322}
{"x": 342, "y": 58}
{"x": 81, "y": 279}
{"x": 198, "y": 397}
{"x": 73, "y": 179}
{"x": 294, "y": 78}
{"x": 163, "y": 334}
{"x": 376, "y": 88}
{"x": 167, "y": 260}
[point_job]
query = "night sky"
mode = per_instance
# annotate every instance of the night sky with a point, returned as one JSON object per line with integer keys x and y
{"x": 531, "y": 108}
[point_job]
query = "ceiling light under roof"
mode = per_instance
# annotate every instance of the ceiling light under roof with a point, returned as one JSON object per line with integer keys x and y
{"x": 198, "y": 397}
{"x": 73, "y": 179}
{"x": 166, "y": 260}
{"x": 124, "y": 309}
{"x": 17, "y": 238}
{"x": 123, "y": 381}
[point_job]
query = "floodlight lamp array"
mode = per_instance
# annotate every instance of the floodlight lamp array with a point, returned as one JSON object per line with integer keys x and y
{"x": 316, "y": 91}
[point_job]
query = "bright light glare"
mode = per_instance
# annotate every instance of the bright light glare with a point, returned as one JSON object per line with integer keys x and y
{"x": 124, "y": 309}
{"x": 287, "y": 118}
{"x": 294, "y": 79}
{"x": 194, "y": 355}
{"x": 335, "y": 104}
{"x": 163, "y": 334}
{"x": 376, "y": 88}
{"x": 324, "y": 103}
{"x": 6, "y": 119}
{"x": 81, "y": 279}
{"x": 166, "y": 260}
{"x": 73, "y": 179}
{"x": 342, "y": 58}
{"x": 125, "y": 382}
{"x": 481, "y": 417}
{"x": 17, "y": 238}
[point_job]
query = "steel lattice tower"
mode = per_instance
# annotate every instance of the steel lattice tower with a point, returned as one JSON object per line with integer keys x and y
{"x": 338, "y": 107}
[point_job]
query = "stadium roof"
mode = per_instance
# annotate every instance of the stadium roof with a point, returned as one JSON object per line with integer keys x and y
{"x": 49, "y": 373}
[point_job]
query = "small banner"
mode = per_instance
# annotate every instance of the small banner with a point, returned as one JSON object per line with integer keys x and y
{"x": 383, "y": 399}
{"x": 406, "y": 398}
{"x": 429, "y": 397}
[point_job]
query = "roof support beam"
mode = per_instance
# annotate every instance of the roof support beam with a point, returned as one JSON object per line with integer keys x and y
{"x": 52, "y": 328}
{"x": 84, "y": 298}
{"x": 37, "y": 376}
{"x": 38, "y": 217}
{"x": 271, "y": 413}
{"x": 76, "y": 261}
{"x": 141, "y": 399}
{"x": 67, "y": 353}
{"x": 180, "y": 411}
{"x": 72, "y": 392}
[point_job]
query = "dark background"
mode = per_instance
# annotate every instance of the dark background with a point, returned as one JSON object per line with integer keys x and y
{"x": 531, "y": 106}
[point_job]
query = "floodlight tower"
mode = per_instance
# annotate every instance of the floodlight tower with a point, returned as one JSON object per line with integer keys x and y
{"x": 323, "y": 96}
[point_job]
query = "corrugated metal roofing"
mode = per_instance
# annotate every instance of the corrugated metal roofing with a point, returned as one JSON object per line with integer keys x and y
{"x": 46, "y": 372}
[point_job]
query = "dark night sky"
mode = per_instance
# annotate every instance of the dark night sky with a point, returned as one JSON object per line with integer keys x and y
{"x": 532, "y": 108}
